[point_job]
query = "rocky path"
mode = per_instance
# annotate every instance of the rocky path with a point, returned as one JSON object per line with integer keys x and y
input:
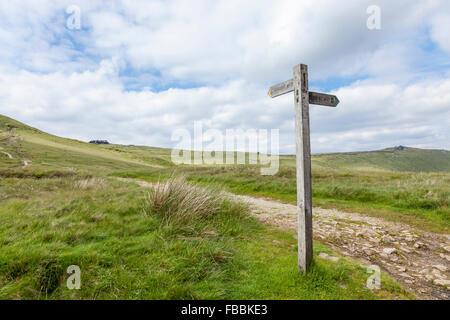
{"x": 419, "y": 260}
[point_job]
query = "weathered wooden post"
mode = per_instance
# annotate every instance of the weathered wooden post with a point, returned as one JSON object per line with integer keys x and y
{"x": 302, "y": 99}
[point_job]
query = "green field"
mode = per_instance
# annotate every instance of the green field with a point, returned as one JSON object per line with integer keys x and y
{"x": 67, "y": 207}
{"x": 421, "y": 199}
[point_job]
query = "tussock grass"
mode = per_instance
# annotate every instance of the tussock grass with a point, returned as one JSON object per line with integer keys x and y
{"x": 178, "y": 201}
{"x": 49, "y": 275}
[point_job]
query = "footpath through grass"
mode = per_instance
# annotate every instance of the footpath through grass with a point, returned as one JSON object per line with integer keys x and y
{"x": 63, "y": 210}
{"x": 419, "y": 199}
{"x": 350, "y": 181}
{"x": 130, "y": 246}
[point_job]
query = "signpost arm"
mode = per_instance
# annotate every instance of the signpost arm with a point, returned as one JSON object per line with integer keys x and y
{"x": 304, "y": 192}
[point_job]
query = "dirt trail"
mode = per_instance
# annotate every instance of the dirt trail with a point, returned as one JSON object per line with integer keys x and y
{"x": 7, "y": 154}
{"x": 419, "y": 260}
{"x": 26, "y": 163}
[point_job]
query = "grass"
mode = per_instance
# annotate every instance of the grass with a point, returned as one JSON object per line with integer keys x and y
{"x": 390, "y": 159}
{"x": 419, "y": 199}
{"x": 127, "y": 248}
{"x": 179, "y": 203}
{"x": 65, "y": 208}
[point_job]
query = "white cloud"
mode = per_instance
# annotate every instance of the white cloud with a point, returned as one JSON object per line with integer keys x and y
{"x": 71, "y": 83}
{"x": 440, "y": 26}
{"x": 216, "y": 41}
{"x": 95, "y": 105}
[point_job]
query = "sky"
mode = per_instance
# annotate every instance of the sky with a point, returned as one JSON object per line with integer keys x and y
{"x": 134, "y": 72}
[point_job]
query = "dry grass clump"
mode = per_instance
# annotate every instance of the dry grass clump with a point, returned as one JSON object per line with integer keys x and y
{"x": 177, "y": 200}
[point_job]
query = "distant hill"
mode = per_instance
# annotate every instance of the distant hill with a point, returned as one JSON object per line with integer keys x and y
{"x": 25, "y": 142}
{"x": 395, "y": 159}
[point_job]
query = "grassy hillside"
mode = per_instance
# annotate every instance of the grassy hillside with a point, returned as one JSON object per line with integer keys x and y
{"x": 64, "y": 209}
{"x": 407, "y": 159}
{"x": 49, "y": 152}
{"x": 391, "y": 159}
{"x": 127, "y": 249}
{"x": 358, "y": 181}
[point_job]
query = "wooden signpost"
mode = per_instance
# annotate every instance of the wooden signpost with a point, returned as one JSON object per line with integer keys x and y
{"x": 302, "y": 99}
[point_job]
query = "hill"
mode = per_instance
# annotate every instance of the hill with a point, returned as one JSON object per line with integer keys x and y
{"x": 35, "y": 145}
{"x": 407, "y": 184}
{"x": 399, "y": 183}
{"x": 61, "y": 204}
{"x": 48, "y": 152}
{"x": 396, "y": 159}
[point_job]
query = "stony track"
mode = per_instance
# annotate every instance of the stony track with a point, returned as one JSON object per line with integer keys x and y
{"x": 419, "y": 260}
